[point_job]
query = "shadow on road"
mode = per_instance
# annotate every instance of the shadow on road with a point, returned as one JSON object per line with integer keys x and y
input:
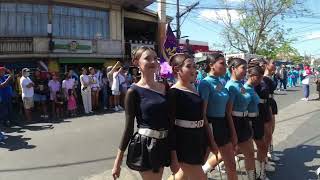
{"x": 292, "y": 163}
{"x": 58, "y": 165}
{"x": 14, "y": 143}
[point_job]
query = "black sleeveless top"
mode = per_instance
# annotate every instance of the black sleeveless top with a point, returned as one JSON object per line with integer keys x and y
{"x": 189, "y": 106}
{"x": 152, "y": 109}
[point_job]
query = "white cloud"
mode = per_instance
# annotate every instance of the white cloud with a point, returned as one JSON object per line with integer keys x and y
{"x": 218, "y": 15}
{"x": 312, "y": 35}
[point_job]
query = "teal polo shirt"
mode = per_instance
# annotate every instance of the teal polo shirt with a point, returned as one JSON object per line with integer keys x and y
{"x": 255, "y": 99}
{"x": 238, "y": 96}
{"x": 212, "y": 91}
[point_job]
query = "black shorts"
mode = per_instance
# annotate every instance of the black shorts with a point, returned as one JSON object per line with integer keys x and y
{"x": 146, "y": 153}
{"x": 221, "y": 130}
{"x": 264, "y": 112}
{"x": 274, "y": 106}
{"x": 191, "y": 145}
{"x": 243, "y": 128}
{"x": 257, "y": 127}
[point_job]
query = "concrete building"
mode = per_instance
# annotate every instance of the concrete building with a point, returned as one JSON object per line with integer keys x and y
{"x": 61, "y": 34}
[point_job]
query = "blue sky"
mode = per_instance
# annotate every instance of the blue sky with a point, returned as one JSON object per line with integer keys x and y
{"x": 200, "y": 25}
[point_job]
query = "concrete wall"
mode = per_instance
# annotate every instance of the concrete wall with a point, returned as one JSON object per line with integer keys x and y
{"x": 40, "y": 45}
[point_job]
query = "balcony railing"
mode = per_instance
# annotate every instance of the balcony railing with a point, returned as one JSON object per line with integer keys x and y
{"x": 16, "y": 45}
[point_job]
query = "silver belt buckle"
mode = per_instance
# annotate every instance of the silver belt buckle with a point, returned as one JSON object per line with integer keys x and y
{"x": 198, "y": 124}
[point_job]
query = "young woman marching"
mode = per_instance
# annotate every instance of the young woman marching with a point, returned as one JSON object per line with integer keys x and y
{"x": 238, "y": 106}
{"x": 148, "y": 150}
{"x": 216, "y": 98}
{"x": 255, "y": 73}
{"x": 191, "y": 132}
{"x": 270, "y": 124}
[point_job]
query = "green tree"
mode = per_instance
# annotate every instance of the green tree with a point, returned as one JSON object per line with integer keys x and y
{"x": 258, "y": 25}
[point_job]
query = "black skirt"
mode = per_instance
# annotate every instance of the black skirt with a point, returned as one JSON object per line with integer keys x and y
{"x": 220, "y": 130}
{"x": 274, "y": 106}
{"x": 257, "y": 127}
{"x": 146, "y": 153}
{"x": 243, "y": 128}
{"x": 264, "y": 112}
{"x": 191, "y": 145}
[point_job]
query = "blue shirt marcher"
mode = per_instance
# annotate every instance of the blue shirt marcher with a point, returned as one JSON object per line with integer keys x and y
{"x": 255, "y": 99}
{"x": 238, "y": 96}
{"x": 217, "y": 96}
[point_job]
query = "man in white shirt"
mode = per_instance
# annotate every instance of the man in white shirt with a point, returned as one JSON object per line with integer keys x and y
{"x": 27, "y": 92}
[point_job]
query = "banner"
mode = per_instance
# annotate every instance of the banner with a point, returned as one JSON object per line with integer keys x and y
{"x": 72, "y": 46}
{"x": 169, "y": 49}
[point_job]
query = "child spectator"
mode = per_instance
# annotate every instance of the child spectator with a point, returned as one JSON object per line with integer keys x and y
{"x": 54, "y": 86}
{"x": 59, "y": 104}
{"x": 72, "y": 104}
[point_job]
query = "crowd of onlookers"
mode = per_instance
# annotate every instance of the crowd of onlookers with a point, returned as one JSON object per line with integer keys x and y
{"x": 44, "y": 96}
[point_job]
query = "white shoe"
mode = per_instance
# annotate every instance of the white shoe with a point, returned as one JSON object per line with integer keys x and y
{"x": 272, "y": 157}
{"x": 120, "y": 108}
{"x": 304, "y": 99}
{"x": 116, "y": 108}
{"x": 270, "y": 168}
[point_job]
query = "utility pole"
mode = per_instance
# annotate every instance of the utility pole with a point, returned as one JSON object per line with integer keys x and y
{"x": 180, "y": 15}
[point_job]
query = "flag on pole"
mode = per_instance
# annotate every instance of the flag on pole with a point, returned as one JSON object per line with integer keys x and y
{"x": 169, "y": 48}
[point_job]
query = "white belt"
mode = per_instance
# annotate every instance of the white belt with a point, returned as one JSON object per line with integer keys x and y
{"x": 239, "y": 114}
{"x": 263, "y": 101}
{"x": 271, "y": 95}
{"x": 153, "y": 133}
{"x": 253, "y": 114}
{"x": 189, "y": 124}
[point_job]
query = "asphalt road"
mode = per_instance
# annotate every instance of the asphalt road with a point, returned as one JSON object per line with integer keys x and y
{"x": 82, "y": 147}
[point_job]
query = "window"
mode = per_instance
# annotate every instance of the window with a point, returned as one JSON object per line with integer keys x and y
{"x": 23, "y": 19}
{"x": 70, "y": 22}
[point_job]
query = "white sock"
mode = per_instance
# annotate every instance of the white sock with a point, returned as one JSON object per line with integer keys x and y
{"x": 207, "y": 168}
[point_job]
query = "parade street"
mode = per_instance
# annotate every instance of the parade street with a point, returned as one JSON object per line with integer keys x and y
{"x": 85, "y": 148}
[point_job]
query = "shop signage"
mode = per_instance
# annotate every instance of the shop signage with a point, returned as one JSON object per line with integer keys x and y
{"x": 72, "y": 46}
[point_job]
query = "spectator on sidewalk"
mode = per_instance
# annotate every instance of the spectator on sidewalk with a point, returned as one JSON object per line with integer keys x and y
{"x": 40, "y": 93}
{"x": 54, "y": 86}
{"x": 318, "y": 86}
{"x": 123, "y": 85}
{"x": 305, "y": 83}
{"x": 27, "y": 93}
{"x": 95, "y": 88}
{"x": 59, "y": 105}
{"x": 116, "y": 89}
{"x": 86, "y": 91}
{"x": 105, "y": 90}
{"x": 72, "y": 103}
{"x": 5, "y": 96}
{"x": 283, "y": 74}
{"x": 67, "y": 83}
{"x": 111, "y": 70}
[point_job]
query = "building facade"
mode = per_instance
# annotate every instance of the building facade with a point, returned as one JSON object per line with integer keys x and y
{"x": 59, "y": 34}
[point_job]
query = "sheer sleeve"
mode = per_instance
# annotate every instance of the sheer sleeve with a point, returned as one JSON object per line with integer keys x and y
{"x": 130, "y": 112}
{"x": 171, "y": 97}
